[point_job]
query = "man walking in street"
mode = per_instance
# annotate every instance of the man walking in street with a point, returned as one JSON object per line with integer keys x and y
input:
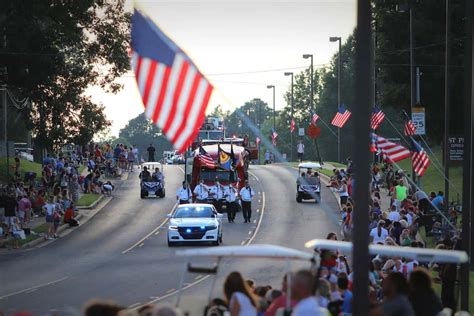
{"x": 201, "y": 191}
{"x": 246, "y": 195}
{"x": 231, "y": 203}
{"x": 217, "y": 195}
{"x": 151, "y": 153}
{"x": 300, "y": 150}
{"x": 183, "y": 195}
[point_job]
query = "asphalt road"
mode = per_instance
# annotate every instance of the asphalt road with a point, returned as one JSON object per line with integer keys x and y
{"x": 122, "y": 254}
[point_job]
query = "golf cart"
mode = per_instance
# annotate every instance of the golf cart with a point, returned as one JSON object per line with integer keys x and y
{"x": 308, "y": 187}
{"x": 152, "y": 185}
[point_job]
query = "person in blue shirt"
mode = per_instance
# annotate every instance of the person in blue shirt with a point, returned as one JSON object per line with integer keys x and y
{"x": 438, "y": 201}
{"x": 343, "y": 285}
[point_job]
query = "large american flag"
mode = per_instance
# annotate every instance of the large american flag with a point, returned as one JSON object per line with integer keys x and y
{"x": 377, "y": 117}
{"x": 391, "y": 151}
{"x": 410, "y": 128}
{"x": 175, "y": 94}
{"x": 341, "y": 117}
{"x": 420, "y": 158}
{"x": 314, "y": 118}
{"x": 205, "y": 159}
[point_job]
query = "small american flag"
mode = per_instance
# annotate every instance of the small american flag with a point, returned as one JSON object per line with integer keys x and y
{"x": 175, "y": 94}
{"x": 257, "y": 140}
{"x": 314, "y": 118}
{"x": 341, "y": 117}
{"x": 377, "y": 117}
{"x": 410, "y": 128}
{"x": 292, "y": 126}
{"x": 420, "y": 158}
{"x": 205, "y": 159}
{"x": 274, "y": 137}
{"x": 392, "y": 152}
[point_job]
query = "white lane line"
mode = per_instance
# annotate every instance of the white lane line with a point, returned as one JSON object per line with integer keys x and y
{"x": 242, "y": 243}
{"x": 169, "y": 291}
{"x": 31, "y": 291}
{"x": 141, "y": 245}
{"x": 33, "y": 288}
{"x": 137, "y": 244}
{"x": 201, "y": 278}
{"x": 250, "y": 232}
{"x": 134, "y": 305}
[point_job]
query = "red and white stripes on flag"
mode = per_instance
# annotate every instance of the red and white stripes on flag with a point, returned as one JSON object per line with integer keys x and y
{"x": 314, "y": 118}
{"x": 391, "y": 151}
{"x": 341, "y": 117}
{"x": 206, "y": 161}
{"x": 292, "y": 125}
{"x": 410, "y": 128}
{"x": 175, "y": 98}
{"x": 420, "y": 159}
{"x": 257, "y": 140}
{"x": 377, "y": 118}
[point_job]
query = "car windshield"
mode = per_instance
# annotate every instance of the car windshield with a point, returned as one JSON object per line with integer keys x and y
{"x": 193, "y": 212}
{"x": 213, "y": 174}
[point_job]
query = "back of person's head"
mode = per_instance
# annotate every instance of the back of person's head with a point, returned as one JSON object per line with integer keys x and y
{"x": 166, "y": 310}
{"x": 342, "y": 281}
{"x": 324, "y": 288}
{"x": 261, "y": 291}
{"x": 397, "y": 283}
{"x": 420, "y": 280}
{"x": 235, "y": 283}
{"x": 440, "y": 193}
{"x": 101, "y": 308}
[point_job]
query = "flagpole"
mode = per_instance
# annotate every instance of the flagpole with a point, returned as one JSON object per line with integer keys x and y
{"x": 335, "y": 135}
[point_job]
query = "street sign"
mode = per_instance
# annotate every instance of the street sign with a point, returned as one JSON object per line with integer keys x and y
{"x": 456, "y": 149}
{"x": 301, "y": 131}
{"x": 418, "y": 119}
{"x": 314, "y": 131}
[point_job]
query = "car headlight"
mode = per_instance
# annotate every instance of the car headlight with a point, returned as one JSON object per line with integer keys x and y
{"x": 212, "y": 227}
{"x": 173, "y": 227}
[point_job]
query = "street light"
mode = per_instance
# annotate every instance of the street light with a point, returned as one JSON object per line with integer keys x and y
{"x": 338, "y": 39}
{"x": 306, "y": 56}
{"x": 273, "y": 87}
{"x": 292, "y": 109}
{"x": 403, "y": 8}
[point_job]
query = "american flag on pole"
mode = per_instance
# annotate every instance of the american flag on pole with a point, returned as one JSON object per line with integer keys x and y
{"x": 257, "y": 140}
{"x": 377, "y": 117}
{"x": 274, "y": 137}
{"x": 292, "y": 126}
{"x": 410, "y": 128}
{"x": 314, "y": 118}
{"x": 175, "y": 94}
{"x": 205, "y": 159}
{"x": 341, "y": 117}
{"x": 390, "y": 150}
{"x": 420, "y": 158}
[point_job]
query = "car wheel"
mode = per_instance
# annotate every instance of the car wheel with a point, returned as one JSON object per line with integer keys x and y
{"x": 142, "y": 195}
{"x": 171, "y": 244}
{"x": 215, "y": 243}
{"x": 298, "y": 198}
{"x": 163, "y": 193}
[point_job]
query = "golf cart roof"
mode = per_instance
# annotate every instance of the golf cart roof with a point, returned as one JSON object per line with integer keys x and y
{"x": 309, "y": 165}
{"x": 420, "y": 254}
{"x": 251, "y": 251}
{"x": 151, "y": 165}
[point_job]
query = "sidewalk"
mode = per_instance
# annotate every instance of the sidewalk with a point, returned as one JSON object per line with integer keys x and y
{"x": 38, "y": 226}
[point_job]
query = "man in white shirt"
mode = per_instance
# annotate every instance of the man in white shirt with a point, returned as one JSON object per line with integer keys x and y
{"x": 201, "y": 191}
{"x": 246, "y": 195}
{"x": 300, "y": 150}
{"x": 302, "y": 287}
{"x": 394, "y": 215}
{"x": 217, "y": 195}
{"x": 184, "y": 195}
{"x": 231, "y": 202}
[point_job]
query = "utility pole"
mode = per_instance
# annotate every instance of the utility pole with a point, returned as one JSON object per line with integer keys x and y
{"x": 292, "y": 113}
{"x": 446, "y": 107}
{"x": 3, "y": 74}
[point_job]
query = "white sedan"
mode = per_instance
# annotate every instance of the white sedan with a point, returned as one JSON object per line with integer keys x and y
{"x": 195, "y": 223}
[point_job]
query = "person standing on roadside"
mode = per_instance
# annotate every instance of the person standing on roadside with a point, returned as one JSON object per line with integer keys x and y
{"x": 300, "y": 150}
{"x": 401, "y": 193}
{"x": 151, "y": 153}
{"x": 130, "y": 159}
{"x": 49, "y": 210}
{"x": 135, "y": 154}
{"x": 246, "y": 195}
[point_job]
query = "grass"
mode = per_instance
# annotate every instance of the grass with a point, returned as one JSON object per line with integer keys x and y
{"x": 87, "y": 199}
{"x": 25, "y": 166}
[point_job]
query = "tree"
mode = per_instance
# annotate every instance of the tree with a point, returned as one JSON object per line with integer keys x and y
{"x": 255, "y": 113}
{"x": 53, "y": 50}
{"x": 142, "y": 132}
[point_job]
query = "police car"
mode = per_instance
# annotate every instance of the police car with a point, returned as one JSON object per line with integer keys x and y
{"x": 195, "y": 223}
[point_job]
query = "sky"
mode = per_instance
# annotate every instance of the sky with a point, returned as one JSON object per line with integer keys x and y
{"x": 241, "y": 47}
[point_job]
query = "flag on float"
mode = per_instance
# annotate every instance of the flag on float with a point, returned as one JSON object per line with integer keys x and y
{"x": 257, "y": 140}
{"x": 410, "y": 128}
{"x": 175, "y": 94}
{"x": 391, "y": 151}
{"x": 223, "y": 158}
{"x": 314, "y": 118}
{"x": 341, "y": 117}
{"x": 292, "y": 126}
{"x": 274, "y": 137}
{"x": 420, "y": 158}
{"x": 377, "y": 117}
{"x": 205, "y": 159}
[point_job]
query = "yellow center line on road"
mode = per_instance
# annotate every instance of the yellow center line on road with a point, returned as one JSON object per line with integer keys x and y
{"x": 201, "y": 278}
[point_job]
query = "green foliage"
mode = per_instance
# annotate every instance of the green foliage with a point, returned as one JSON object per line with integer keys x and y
{"x": 53, "y": 51}
{"x": 25, "y": 166}
{"x": 87, "y": 199}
